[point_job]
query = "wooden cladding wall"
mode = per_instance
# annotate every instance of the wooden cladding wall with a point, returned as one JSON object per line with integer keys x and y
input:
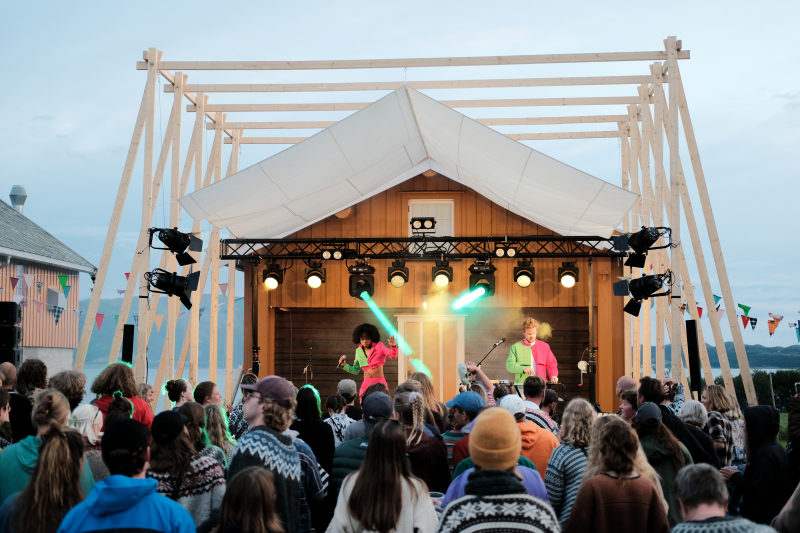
{"x": 386, "y": 215}
{"x": 39, "y": 328}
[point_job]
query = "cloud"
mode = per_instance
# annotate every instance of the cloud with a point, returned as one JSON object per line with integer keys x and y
{"x": 44, "y": 117}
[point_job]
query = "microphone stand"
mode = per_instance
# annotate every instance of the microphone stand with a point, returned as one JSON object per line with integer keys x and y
{"x": 487, "y": 355}
{"x": 309, "y": 369}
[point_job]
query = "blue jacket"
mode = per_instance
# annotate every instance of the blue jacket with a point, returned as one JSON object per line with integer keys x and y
{"x": 123, "y": 504}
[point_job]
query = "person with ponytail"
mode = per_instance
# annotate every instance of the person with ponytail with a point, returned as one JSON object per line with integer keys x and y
{"x": 427, "y": 454}
{"x": 196, "y": 429}
{"x": 54, "y": 487}
{"x": 118, "y": 378}
{"x": 436, "y": 408}
{"x": 217, "y": 430}
{"x": 17, "y": 462}
{"x": 179, "y": 392}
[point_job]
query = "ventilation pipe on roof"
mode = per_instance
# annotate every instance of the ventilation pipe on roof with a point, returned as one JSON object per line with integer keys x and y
{"x": 18, "y": 196}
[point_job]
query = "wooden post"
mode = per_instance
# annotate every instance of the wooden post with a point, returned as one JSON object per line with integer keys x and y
{"x": 636, "y": 322}
{"x": 657, "y": 144}
{"x": 675, "y": 202}
{"x": 194, "y": 320}
{"x": 213, "y": 249}
{"x": 233, "y": 167}
{"x": 626, "y": 325}
{"x": 647, "y": 204}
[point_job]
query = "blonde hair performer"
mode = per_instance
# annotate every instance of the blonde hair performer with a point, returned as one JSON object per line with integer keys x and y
{"x": 531, "y": 356}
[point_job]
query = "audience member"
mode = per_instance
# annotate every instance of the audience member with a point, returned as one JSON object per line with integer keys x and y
{"x": 146, "y": 392}
{"x": 628, "y": 405}
{"x": 50, "y": 411}
{"x": 549, "y": 407}
{"x": 465, "y": 410}
{"x": 310, "y": 427}
{"x": 695, "y": 416}
{"x": 269, "y": 411}
{"x": 88, "y": 420}
{"x": 118, "y": 377}
{"x": 616, "y": 498}
{"x": 764, "y": 487}
{"x": 238, "y": 425}
{"x": 703, "y": 500}
{"x": 119, "y": 407}
{"x": 356, "y": 429}
{"x": 793, "y": 446}
{"x": 350, "y": 455}
{"x": 484, "y": 386}
{"x": 537, "y": 443}
{"x": 384, "y": 495}
{"x": 718, "y": 427}
{"x": 568, "y": 461}
{"x": 468, "y": 463}
{"x": 626, "y": 383}
{"x": 71, "y": 384}
{"x": 206, "y": 392}
{"x": 6, "y": 432}
{"x": 179, "y": 391}
{"x": 217, "y": 430}
{"x": 196, "y": 482}
{"x": 494, "y": 486}
{"x": 502, "y": 389}
{"x": 337, "y": 418}
{"x": 347, "y": 390}
{"x": 54, "y": 487}
{"x": 673, "y": 396}
{"x": 437, "y": 408}
{"x": 738, "y": 435}
{"x": 427, "y": 454}
{"x": 19, "y": 407}
{"x": 127, "y": 500}
{"x": 248, "y": 505}
{"x": 534, "y": 389}
{"x": 31, "y": 378}
{"x": 789, "y": 519}
{"x": 313, "y": 487}
{"x": 664, "y": 452}
{"x": 198, "y": 436}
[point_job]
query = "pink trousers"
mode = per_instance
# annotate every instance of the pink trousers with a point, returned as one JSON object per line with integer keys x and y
{"x": 367, "y": 383}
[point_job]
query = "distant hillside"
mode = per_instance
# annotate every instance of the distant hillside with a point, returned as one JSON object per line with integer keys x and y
{"x": 758, "y": 356}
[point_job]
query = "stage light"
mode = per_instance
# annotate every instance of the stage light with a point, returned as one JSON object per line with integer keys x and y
{"x": 315, "y": 274}
{"x": 173, "y": 285}
{"x": 398, "y": 274}
{"x": 334, "y": 254}
{"x": 386, "y": 323}
{"x": 644, "y": 288}
{"x": 177, "y": 243}
{"x": 505, "y": 251}
{"x": 642, "y": 241}
{"x": 524, "y": 274}
{"x": 442, "y": 273}
{"x": 273, "y": 276}
{"x": 422, "y": 225}
{"x": 482, "y": 276}
{"x": 568, "y": 274}
{"x": 469, "y": 297}
{"x": 362, "y": 279}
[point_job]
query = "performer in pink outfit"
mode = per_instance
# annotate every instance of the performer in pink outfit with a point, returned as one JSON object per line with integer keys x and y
{"x": 371, "y": 355}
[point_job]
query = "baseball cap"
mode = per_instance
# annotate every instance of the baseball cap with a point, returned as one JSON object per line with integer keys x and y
{"x": 467, "y": 401}
{"x": 167, "y": 425}
{"x": 512, "y": 403}
{"x": 550, "y": 396}
{"x": 275, "y": 388}
{"x": 347, "y": 386}
{"x": 125, "y": 434}
{"x": 377, "y": 406}
{"x": 648, "y": 414}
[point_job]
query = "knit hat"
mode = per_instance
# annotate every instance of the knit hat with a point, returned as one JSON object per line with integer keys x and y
{"x": 495, "y": 442}
{"x": 167, "y": 425}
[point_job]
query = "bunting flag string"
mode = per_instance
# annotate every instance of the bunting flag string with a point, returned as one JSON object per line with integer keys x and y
{"x": 122, "y": 291}
{"x": 683, "y": 309}
{"x": 201, "y": 311}
{"x": 224, "y": 288}
{"x": 76, "y": 313}
{"x": 28, "y": 280}
{"x": 66, "y": 290}
{"x": 98, "y": 318}
{"x": 745, "y": 320}
{"x": 720, "y": 314}
{"x": 57, "y": 312}
{"x": 700, "y": 312}
{"x": 797, "y": 330}
{"x": 116, "y": 319}
{"x": 744, "y": 308}
{"x": 753, "y": 322}
{"x": 223, "y": 303}
{"x": 17, "y": 297}
{"x": 777, "y": 318}
{"x": 136, "y": 320}
{"x": 63, "y": 281}
{"x": 792, "y": 324}
{"x": 771, "y": 325}
{"x": 716, "y": 300}
{"x": 39, "y": 285}
{"x": 182, "y": 313}
{"x": 159, "y": 320}
{"x": 1, "y": 290}
{"x": 14, "y": 282}
{"x": 38, "y": 306}
{"x": 127, "y": 275}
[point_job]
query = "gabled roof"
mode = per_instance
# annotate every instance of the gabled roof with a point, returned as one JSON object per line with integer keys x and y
{"x": 398, "y": 137}
{"x": 21, "y": 238}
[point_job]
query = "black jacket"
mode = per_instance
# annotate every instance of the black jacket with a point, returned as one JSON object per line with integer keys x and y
{"x": 319, "y": 437}
{"x": 687, "y": 438}
{"x": 20, "y": 416}
{"x": 706, "y": 442}
{"x": 764, "y": 486}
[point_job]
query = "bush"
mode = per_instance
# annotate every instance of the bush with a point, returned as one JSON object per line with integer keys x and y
{"x": 782, "y": 382}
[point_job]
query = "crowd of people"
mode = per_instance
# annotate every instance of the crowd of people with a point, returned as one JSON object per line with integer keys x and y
{"x": 489, "y": 459}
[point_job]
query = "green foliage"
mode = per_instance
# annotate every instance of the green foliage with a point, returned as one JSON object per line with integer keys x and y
{"x": 782, "y": 382}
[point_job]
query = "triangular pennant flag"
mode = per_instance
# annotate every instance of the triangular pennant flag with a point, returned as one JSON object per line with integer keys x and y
{"x": 201, "y": 312}
{"x": 744, "y": 308}
{"x": 98, "y": 318}
{"x": 159, "y": 320}
{"x": 720, "y": 313}
{"x": 700, "y": 312}
{"x": 38, "y": 306}
{"x": 17, "y": 297}
{"x": 771, "y": 325}
{"x": 14, "y": 282}
{"x": 797, "y": 330}
{"x": 792, "y": 324}
{"x": 745, "y": 320}
{"x": 716, "y": 300}
{"x": 66, "y": 290}
{"x": 776, "y": 317}
{"x": 652, "y": 303}
{"x": 182, "y": 313}
{"x": 63, "y": 281}
{"x": 224, "y": 288}
{"x": 127, "y": 275}
{"x": 39, "y": 285}
{"x": 683, "y": 309}
{"x": 116, "y": 319}
{"x": 122, "y": 291}
{"x": 28, "y": 280}
{"x": 57, "y": 312}
{"x": 1, "y": 290}
{"x": 753, "y": 322}
{"x": 76, "y": 313}
{"x": 136, "y": 320}
{"x": 223, "y": 303}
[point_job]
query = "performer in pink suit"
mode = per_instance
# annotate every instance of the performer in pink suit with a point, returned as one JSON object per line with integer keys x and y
{"x": 371, "y": 355}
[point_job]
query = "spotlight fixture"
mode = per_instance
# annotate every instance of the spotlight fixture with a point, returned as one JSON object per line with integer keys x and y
{"x": 335, "y": 254}
{"x": 177, "y": 243}
{"x": 362, "y": 280}
{"x": 423, "y": 225}
{"x": 481, "y": 275}
{"x": 398, "y": 274}
{"x": 644, "y": 288}
{"x": 273, "y": 276}
{"x": 442, "y": 273}
{"x": 640, "y": 242}
{"x": 315, "y": 274}
{"x": 505, "y": 251}
{"x": 568, "y": 274}
{"x": 524, "y": 273}
{"x": 171, "y": 284}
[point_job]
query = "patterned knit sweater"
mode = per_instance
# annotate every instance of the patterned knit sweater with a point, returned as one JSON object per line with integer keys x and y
{"x": 726, "y": 524}
{"x": 563, "y": 478}
{"x": 237, "y": 425}
{"x": 263, "y": 446}
{"x": 202, "y": 488}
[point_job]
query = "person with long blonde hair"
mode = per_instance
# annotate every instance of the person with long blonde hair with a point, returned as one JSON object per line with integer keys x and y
{"x": 568, "y": 461}
{"x": 217, "y": 429}
{"x": 718, "y": 427}
{"x": 437, "y": 408}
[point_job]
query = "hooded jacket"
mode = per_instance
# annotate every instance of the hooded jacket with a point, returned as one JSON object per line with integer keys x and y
{"x": 141, "y": 411}
{"x": 537, "y": 445}
{"x": 665, "y": 468}
{"x": 764, "y": 486}
{"x": 16, "y": 466}
{"x": 428, "y": 459}
{"x": 123, "y": 504}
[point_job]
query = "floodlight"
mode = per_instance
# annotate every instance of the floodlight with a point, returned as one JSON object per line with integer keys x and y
{"x": 640, "y": 242}
{"x": 273, "y": 276}
{"x": 442, "y": 273}
{"x": 398, "y": 274}
{"x": 336, "y": 254}
{"x": 646, "y": 287}
{"x": 177, "y": 243}
{"x": 505, "y": 251}
{"x": 172, "y": 284}
{"x": 482, "y": 276}
{"x": 524, "y": 274}
{"x": 423, "y": 225}
{"x": 362, "y": 280}
{"x": 315, "y": 274}
{"x": 568, "y": 274}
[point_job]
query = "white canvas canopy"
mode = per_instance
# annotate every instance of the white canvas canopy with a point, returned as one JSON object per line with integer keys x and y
{"x": 396, "y": 138}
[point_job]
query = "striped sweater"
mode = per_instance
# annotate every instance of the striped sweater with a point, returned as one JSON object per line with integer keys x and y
{"x": 202, "y": 488}
{"x": 449, "y": 439}
{"x": 563, "y": 478}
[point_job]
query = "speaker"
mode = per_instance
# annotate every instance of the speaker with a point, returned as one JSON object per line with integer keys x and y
{"x": 128, "y": 332}
{"x": 10, "y": 313}
{"x": 10, "y": 336}
{"x": 693, "y": 357}
{"x": 11, "y": 355}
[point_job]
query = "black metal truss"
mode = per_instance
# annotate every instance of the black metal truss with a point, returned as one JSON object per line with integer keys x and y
{"x": 419, "y": 248}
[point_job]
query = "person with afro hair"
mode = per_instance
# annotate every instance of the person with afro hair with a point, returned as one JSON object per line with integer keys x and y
{"x": 371, "y": 355}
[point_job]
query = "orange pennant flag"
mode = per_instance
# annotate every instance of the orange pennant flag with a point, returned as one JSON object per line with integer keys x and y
{"x": 772, "y": 324}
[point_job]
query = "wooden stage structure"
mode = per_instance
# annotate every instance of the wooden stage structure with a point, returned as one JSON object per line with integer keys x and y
{"x": 646, "y": 119}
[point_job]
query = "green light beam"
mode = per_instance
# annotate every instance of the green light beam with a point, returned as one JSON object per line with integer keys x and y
{"x": 387, "y": 323}
{"x": 469, "y": 298}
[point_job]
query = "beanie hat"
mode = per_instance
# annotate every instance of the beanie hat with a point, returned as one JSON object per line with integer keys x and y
{"x": 495, "y": 442}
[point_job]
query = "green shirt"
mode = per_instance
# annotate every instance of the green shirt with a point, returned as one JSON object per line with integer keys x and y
{"x": 360, "y": 361}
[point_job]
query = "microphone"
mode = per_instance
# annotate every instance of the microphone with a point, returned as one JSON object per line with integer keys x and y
{"x": 501, "y": 341}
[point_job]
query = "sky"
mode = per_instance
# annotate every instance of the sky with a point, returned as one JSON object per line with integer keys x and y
{"x": 71, "y": 94}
